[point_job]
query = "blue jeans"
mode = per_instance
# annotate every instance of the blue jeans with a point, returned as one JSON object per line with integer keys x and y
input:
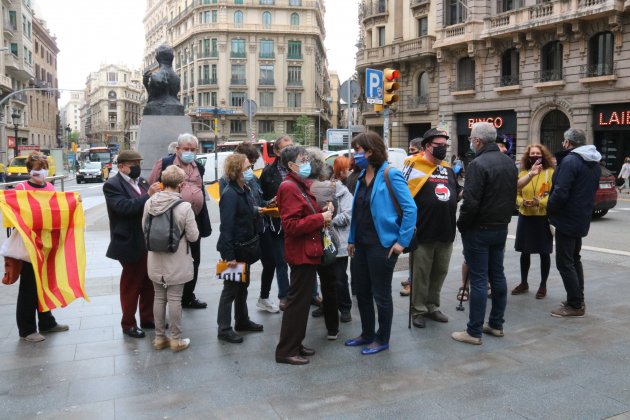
{"x": 272, "y": 259}
{"x": 484, "y": 251}
{"x": 372, "y": 272}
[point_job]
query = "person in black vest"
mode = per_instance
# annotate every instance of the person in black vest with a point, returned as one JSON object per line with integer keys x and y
{"x": 192, "y": 192}
{"x": 272, "y": 238}
{"x": 125, "y": 196}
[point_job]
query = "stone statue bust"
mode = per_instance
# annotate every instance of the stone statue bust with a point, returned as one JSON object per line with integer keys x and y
{"x": 162, "y": 86}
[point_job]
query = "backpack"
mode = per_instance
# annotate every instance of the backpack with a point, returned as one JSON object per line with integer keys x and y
{"x": 161, "y": 233}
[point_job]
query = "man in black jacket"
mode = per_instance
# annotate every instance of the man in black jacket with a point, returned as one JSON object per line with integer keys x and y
{"x": 570, "y": 206}
{"x": 125, "y": 195}
{"x": 489, "y": 200}
{"x": 272, "y": 238}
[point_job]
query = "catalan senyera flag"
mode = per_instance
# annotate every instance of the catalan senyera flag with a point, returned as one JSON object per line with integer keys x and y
{"x": 52, "y": 226}
{"x": 417, "y": 170}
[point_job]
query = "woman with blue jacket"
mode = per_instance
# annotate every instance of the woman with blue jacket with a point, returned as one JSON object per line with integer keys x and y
{"x": 378, "y": 234}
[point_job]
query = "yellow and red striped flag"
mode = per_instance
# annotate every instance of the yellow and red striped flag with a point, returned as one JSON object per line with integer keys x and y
{"x": 51, "y": 225}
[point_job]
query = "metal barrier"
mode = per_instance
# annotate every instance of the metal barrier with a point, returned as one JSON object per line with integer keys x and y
{"x": 51, "y": 179}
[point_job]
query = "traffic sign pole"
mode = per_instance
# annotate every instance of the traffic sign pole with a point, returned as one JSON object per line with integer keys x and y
{"x": 349, "y": 103}
{"x": 386, "y": 127}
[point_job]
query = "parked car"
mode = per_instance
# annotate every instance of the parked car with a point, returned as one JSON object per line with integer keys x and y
{"x": 91, "y": 171}
{"x": 606, "y": 194}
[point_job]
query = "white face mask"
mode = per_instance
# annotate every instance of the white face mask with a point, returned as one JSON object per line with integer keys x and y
{"x": 41, "y": 174}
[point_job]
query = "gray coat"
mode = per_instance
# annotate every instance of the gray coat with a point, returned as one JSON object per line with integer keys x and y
{"x": 341, "y": 221}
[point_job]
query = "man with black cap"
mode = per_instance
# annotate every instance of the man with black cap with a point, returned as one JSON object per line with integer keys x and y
{"x": 125, "y": 195}
{"x": 569, "y": 207}
{"x": 434, "y": 186}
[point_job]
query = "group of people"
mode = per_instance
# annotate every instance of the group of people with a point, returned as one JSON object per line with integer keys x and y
{"x": 361, "y": 209}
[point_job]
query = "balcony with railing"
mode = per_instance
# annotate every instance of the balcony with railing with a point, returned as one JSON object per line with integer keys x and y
{"x": 598, "y": 73}
{"x": 546, "y": 14}
{"x": 549, "y": 78}
{"x": 5, "y": 82}
{"x": 373, "y": 11}
{"x": 238, "y": 54}
{"x": 266, "y": 81}
{"x": 208, "y": 54}
{"x": 295, "y": 84}
{"x": 238, "y": 81}
{"x": 462, "y": 87}
{"x": 9, "y": 28}
{"x": 207, "y": 81}
{"x": 507, "y": 83}
{"x": 399, "y": 51}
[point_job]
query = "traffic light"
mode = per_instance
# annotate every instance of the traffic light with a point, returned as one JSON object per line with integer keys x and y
{"x": 74, "y": 147}
{"x": 390, "y": 86}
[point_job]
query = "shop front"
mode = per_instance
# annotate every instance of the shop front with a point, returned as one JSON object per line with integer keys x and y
{"x": 503, "y": 121}
{"x": 611, "y": 132}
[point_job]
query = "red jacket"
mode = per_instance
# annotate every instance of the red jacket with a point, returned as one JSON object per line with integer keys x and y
{"x": 302, "y": 228}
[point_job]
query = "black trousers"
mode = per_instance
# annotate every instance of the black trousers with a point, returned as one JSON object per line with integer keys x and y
{"x": 328, "y": 283}
{"x": 569, "y": 264}
{"x": 189, "y": 288}
{"x": 295, "y": 316}
{"x": 233, "y": 292}
{"x": 344, "y": 301}
{"x": 27, "y": 305}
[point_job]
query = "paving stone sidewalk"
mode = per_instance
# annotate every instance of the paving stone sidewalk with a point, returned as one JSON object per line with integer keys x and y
{"x": 544, "y": 367}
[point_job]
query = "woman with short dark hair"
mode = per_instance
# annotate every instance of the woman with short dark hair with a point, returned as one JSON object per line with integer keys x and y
{"x": 383, "y": 223}
{"x": 302, "y": 222}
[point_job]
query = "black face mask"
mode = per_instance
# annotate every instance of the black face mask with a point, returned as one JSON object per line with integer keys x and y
{"x": 534, "y": 159}
{"x": 134, "y": 172}
{"x": 439, "y": 152}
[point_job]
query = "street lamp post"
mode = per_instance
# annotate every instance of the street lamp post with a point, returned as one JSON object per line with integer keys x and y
{"x": 15, "y": 116}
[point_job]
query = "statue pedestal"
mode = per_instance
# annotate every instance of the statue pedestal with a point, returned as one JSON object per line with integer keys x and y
{"x": 156, "y": 133}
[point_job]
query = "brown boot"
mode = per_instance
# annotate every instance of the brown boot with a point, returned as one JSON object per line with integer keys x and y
{"x": 520, "y": 289}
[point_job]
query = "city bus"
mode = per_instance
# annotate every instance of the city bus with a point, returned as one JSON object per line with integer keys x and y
{"x": 265, "y": 148}
{"x": 101, "y": 154}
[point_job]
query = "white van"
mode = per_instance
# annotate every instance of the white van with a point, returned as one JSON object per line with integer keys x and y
{"x": 395, "y": 156}
{"x": 208, "y": 160}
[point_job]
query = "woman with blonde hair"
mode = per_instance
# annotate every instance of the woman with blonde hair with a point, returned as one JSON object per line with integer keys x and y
{"x": 533, "y": 235}
{"x": 169, "y": 271}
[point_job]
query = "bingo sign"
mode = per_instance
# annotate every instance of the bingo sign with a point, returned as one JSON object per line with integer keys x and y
{"x": 503, "y": 121}
{"x": 374, "y": 86}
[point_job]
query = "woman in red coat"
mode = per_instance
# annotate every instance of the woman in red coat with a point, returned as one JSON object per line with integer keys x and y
{"x": 302, "y": 222}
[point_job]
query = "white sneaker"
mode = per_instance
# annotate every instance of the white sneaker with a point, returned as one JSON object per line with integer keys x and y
{"x": 267, "y": 305}
{"x": 34, "y": 337}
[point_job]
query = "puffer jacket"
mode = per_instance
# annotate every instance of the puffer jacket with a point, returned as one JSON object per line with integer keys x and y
{"x": 343, "y": 217}
{"x": 572, "y": 197}
{"x": 172, "y": 267}
{"x": 489, "y": 191}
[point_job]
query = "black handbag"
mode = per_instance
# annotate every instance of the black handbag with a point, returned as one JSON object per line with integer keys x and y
{"x": 248, "y": 251}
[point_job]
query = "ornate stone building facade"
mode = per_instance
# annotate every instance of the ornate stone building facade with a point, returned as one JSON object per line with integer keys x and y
{"x": 227, "y": 51}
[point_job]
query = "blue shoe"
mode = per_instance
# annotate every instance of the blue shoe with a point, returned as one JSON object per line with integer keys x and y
{"x": 358, "y": 341}
{"x": 377, "y": 349}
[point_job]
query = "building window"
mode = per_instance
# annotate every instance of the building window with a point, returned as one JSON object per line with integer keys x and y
{"x": 238, "y": 48}
{"x": 266, "y": 49}
{"x": 295, "y": 76}
{"x": 238, "y": 18}
{"x": 237, "y": 126}
{"x": 265, "y": 126}
{"x": 295, "y": 19}
{"x": 507, "y": 5}
{"x": 423, "y": 88}
{"x": 456, "y": 12}
{"x": 509, "y": 68}
{"x": 551, "y": 62}
{"x": 270, "y": 2}
{"x": 266, "y": 19}
{"x": 266, "y": 74}
{"x": 215, "y": 16}
{"x": 381, "y": 36}
{"x": 238, "y": 74}
{"x": 294, "y": 99}
{"x": 266, "y": 99}
{"x": 600, "y": 55}
{"x": 238, "y": 1}
{"x": 213, "y": 99}
{"x": 466, "y": 74}
{"x": 112, "y": 76}
{"x": 423, "y": 26}
{"x": 295, "y": 50}
{"x": 237, "y": 99}
{"x": 295, "y": 2}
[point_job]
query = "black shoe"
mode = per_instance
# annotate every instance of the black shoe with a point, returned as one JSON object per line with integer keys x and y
{"x": 147, "y": 325}
{"x": 134, "y": 332}
{"x": 230, "y": 336}
{"x": 250, "y": 326}
{"x": 345, "y": 317}
{"x": 316, "y": 301}
{"x": 195, "y": 304}
{"x": 419, "y": 321}
{"x": 305, "y": 351}
{"x": 317, "y": 312}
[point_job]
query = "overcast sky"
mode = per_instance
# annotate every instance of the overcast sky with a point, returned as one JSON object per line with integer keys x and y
{"x": 94, "y": 32}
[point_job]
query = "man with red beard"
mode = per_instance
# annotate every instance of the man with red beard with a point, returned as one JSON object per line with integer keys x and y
{"x": 434, "y": 187}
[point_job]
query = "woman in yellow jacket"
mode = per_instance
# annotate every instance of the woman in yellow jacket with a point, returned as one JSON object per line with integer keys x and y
{"x": 533, "y": 235}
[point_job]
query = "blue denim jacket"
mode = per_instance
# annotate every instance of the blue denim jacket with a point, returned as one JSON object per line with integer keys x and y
{"x": 390, "y": 227}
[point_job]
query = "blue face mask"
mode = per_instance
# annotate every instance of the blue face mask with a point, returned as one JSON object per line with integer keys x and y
{"x": 187, "y": 157}
{"x": 360, "y": 160}
{"x": 248, "y": 175}
{"x": 305, "y": 170}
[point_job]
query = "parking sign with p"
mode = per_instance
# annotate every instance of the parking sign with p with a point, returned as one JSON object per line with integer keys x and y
{"x": 374, "y": 86}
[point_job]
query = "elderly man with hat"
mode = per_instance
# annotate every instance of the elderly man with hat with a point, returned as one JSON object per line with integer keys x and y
{"x": 435, "y": 190}
{"x": 125, "y": 195}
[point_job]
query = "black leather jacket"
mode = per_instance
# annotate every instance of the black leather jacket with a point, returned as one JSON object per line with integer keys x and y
{"x": 489, "y": 190}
